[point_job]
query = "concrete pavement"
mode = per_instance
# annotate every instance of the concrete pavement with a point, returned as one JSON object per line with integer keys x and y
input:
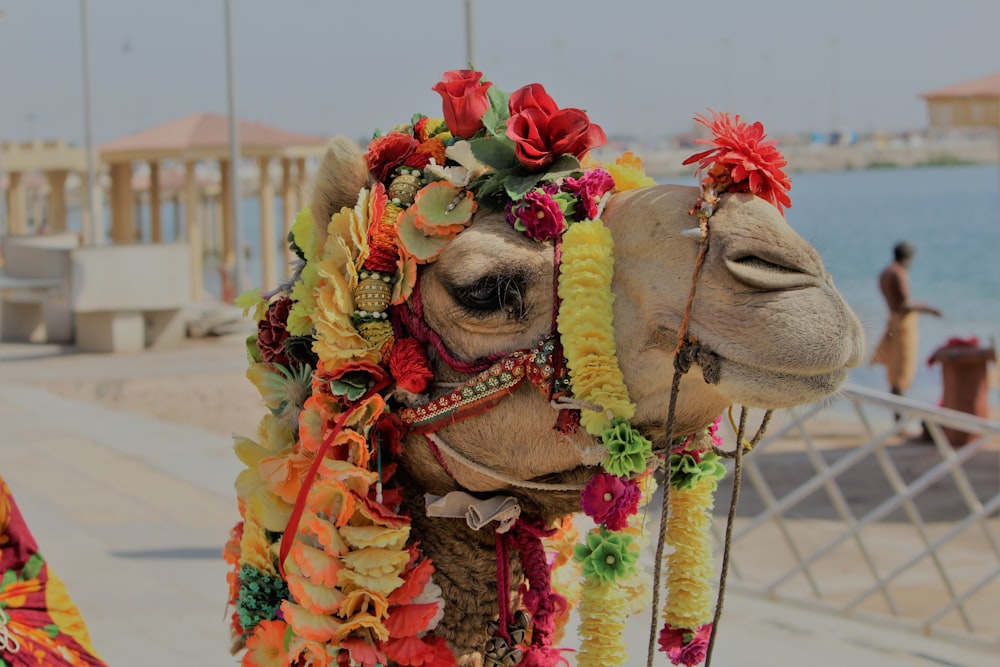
{"x": 132, "y": 513}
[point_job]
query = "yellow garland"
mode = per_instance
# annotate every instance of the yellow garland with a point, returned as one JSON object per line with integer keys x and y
{"x": 586, "y": 324}
{"x": 689, "y": 567}
{"x": 602, "y": 625}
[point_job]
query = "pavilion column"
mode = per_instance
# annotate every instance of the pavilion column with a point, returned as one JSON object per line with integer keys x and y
{"x": 193, "y": 225}
{"x": 302, "y": 189}
{"x": 122, "y": 223}
{"x": 155, "y": 220}
{"x": 17, "y": 204}
{"x": 228, "y": 256}
{"x": 57, "y": 199}
{"x": 288, "y": 201}
{"x": 265, "y": 191}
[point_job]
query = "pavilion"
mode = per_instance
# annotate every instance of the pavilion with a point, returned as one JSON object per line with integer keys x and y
{"x": 199, "y": 138}
{"x": 56, "y": 160}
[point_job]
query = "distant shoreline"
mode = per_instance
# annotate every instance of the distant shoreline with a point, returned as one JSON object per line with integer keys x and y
{"x": 817, "y": 158}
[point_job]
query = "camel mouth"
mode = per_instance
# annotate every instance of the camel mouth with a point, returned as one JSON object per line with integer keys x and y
{"x": 761, "y": 387}
{"x": 768, "y": 389}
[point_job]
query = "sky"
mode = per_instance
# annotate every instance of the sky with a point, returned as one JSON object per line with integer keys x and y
{"x": 639, "y": 67}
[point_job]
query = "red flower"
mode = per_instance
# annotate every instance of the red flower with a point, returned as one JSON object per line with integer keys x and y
{"x": 753, "y": 164}
{"x": 387, "y": 152}
{"x": 541, "y": 131}
{"x": 272, "y": 332}
{"x": 409, "y": 365}
{"x": 465, "y": 101}
{"x": 685, "y": 647}
{"x": 610, "y": 500}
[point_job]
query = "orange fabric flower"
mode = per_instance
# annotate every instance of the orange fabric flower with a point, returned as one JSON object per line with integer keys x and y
{"x": 266, "y": 646}
{"x": 753, "y": 164}
{"x": 387, "y": 152}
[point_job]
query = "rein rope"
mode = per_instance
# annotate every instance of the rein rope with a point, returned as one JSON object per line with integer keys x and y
{"x": 684, "y": 355}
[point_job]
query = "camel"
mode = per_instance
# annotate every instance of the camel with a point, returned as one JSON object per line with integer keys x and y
{"x": 771, "y": 324}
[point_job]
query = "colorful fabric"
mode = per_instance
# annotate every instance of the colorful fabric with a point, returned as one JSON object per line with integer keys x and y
{"x": 897, "y": 350}
{"x": 39, "y": 624}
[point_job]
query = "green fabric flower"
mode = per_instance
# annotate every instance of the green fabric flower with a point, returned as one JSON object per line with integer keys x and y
{"x": 352, "y": 384}
{"x": 628, "y": 451}
{"x": 606, "y": 556}
{"x": 687, "y": 469}
{"x": 260, "y": 596}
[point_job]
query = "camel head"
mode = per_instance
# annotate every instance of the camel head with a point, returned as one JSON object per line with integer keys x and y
{"x": 481, "y": 316}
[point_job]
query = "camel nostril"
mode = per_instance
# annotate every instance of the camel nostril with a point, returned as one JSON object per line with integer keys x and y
{"x": 767, "y": 274}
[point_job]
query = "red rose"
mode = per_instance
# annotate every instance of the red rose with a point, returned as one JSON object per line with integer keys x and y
{"x": 387, "y": 152}
{"x": 541, "y": 131}
{"x": 465, "y": 101}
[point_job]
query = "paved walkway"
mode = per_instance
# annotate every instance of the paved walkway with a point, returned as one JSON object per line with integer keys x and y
{"x": 132, "y": 513}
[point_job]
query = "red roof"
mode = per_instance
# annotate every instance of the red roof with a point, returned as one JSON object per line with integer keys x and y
{"x": 987, "y": 86}
{"x": 207, "y": 131}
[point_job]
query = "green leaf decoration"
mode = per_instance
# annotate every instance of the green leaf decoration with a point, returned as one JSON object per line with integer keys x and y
{"x": 494, "y": 152}
{"x": 253, "y": 352}
{"x": 563, "y": 166}
{"x": 9, "y": 577}
{"x": 52, "y": 630}
{"x": 520, "y": 185}
{"x": 495, "y": 118}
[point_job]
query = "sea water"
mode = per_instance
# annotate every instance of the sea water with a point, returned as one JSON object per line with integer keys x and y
{"x": 854, "y": 218}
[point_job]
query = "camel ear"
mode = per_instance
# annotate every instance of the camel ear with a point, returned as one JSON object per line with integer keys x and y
{"x": 340, "y": 177}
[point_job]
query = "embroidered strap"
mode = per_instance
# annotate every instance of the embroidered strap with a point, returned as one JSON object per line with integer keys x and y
{"x": 487, "y": 388}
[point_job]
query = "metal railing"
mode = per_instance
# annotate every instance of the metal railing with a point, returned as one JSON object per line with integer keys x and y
{"x": 842, "y": 510}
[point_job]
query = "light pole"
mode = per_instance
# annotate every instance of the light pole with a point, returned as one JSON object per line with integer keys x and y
{"x": 96, "y": 217}
{"x": 3, "y": 201}
{"x": 234, "y": 153}
{"x": 470, "y": 34}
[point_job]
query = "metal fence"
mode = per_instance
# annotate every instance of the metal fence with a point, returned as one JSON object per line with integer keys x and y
{"x": 847, "y": 508}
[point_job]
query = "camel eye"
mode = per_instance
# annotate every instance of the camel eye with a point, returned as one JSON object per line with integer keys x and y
{"x": 493, "y": 294}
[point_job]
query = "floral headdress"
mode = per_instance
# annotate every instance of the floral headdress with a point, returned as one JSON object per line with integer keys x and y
{"x": 323, "y": 570}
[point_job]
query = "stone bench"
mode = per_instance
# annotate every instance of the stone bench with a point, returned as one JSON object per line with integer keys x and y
{"x": 129, "y": 297}
{"x": 35, "y": 290}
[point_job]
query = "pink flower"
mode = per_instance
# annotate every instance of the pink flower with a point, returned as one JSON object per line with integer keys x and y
{"x": 589, "y": 189}
{"x": 685, "y": 647}
{"x": 610, "y": 500}
{"x": 538, "y": 215}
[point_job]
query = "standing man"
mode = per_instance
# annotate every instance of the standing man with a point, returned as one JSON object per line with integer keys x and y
{"x": 897, "y": 350}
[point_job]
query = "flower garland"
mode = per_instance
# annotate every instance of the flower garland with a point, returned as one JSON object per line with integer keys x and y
{"x": 322, "y": 567}
{"x": 740, "y": 160}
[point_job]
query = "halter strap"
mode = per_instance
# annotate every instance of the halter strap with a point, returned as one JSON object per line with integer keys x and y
{"x": 490, "y": 386}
